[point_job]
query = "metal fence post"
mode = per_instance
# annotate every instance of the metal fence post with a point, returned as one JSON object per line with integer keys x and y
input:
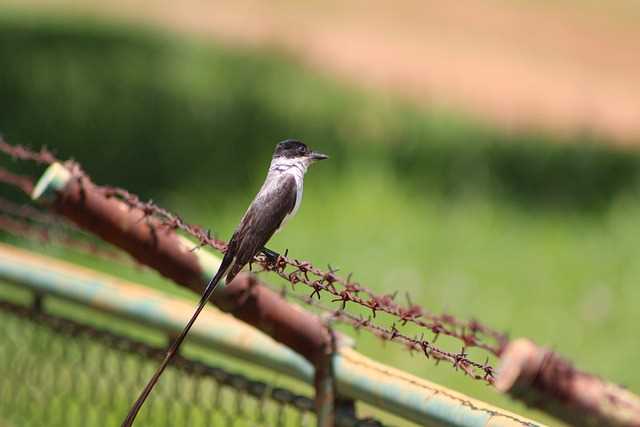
{"x": 325, "y": 393}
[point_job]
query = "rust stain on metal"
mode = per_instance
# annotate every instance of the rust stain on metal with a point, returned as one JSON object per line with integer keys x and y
{"x": 325, "y": 388}
{"x": 247, "y": 299}
{"x": 143, "y": 238}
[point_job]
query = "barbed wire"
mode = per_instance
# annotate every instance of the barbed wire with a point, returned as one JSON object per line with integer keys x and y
{"x": 29, "y": 212}
{"x": 438, "y": 325}
{"x": 23, "y": 183}
{"x": 26, "y": 222}
{"x": 23, "y": 229}
{"x": 479, "y": 371}
{"x": 20, "y": 152}
{"x": 342, "y": 290}
{"x": 327, "y": 280}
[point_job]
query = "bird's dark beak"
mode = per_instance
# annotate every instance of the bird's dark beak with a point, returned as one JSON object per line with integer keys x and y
{"x": 315, "y": 156}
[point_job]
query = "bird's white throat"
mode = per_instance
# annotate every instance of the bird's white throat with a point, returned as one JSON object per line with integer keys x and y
{"x": 291, "y": 165}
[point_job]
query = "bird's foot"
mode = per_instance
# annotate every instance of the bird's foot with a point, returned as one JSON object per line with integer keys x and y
{"x": 270, "y": 255}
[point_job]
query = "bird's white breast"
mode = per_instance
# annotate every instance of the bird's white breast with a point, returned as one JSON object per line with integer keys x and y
{"x": 299, "y": 190}
{"x": 296, "y": 168}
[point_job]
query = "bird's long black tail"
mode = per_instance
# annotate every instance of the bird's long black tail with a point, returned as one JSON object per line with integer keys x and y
{"x": 211, "y": 286}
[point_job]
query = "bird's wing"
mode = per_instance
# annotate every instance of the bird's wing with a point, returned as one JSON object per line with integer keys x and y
{"x": 263, "y": 218}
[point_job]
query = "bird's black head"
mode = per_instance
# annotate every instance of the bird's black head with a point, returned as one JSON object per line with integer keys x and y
{"x": 292, "y": 148}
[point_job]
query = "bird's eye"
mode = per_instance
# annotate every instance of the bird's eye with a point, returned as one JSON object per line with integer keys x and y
{"x": 301, "y": 150}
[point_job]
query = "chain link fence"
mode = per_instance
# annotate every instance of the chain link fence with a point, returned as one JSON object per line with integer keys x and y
{"x": 59, "y": 372}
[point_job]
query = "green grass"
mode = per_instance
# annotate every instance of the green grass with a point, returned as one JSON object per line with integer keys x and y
{"x": 529, "y": 236}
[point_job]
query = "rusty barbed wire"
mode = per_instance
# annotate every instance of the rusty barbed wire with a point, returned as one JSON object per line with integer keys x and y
{"x": 343, "y": 290}
{"x": 23, "y": 183}
{"x": 25, "y": 230}
{"x": 20, "y": 152}
{"x": 444, "y": 324}
{"x": 437, "y": 325}
{"x": 479, "y": 371}
{"x": 29, "y": 212}
{"x": 26, "y": 222}
{"x": 459, "y": 360}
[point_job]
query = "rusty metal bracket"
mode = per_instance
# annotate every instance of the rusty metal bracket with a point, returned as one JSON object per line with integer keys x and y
{"x": 543, "y": 379}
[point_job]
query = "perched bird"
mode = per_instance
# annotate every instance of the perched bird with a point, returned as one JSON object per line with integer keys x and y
{"x": 276, "y": 202}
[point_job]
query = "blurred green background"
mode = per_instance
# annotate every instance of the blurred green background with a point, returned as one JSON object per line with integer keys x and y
{"x": 530, "y": 231}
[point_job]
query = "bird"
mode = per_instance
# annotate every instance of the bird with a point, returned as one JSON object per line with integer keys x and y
{"x": 275, "y": 203}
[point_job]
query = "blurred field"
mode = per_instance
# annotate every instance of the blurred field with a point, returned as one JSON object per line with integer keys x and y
{"x": 569, "y": 66}
{"x": 525, "y": 231}
{"x": 200, "y": 108}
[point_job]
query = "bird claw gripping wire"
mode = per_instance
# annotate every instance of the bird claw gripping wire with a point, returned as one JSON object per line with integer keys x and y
{"x": 271, "y": 257}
